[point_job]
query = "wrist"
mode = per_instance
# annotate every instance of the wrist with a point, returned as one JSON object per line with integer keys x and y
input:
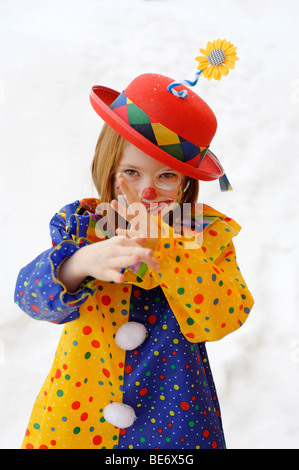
{"x": 79, "y": 264}
{"x": 72, "y": 271}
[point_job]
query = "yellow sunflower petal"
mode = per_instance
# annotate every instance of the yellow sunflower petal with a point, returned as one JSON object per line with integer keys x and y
{"x": 214, "y": 74}
{"x": 209, "y": 71}
{"x": 230, "y": 50}
{"x": 204, "y": 51}
{"x": 210, "y": 47}
{"x": 202, "y": 67}
{"x": 218, "y": 43}
{"x": 217, "y": 74}
{"x": 223, "y": 70}
{"x": 206, "y": 72}
{"x": 202, "y": 59}
{"x": 225, "y": 44}
{"x": 228, "y": 64}
{"x": 229, "y": 60}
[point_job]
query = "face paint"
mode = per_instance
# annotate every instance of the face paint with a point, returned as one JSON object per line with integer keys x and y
{"x": 164, "y": 178}
{"x": 165, "y": 181}
{"x": 180, "y": 189}
{"x": 149, "y": 194}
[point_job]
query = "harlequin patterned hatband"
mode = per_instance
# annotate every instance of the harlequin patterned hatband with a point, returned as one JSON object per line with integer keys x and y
{"x": 155, "y": 132}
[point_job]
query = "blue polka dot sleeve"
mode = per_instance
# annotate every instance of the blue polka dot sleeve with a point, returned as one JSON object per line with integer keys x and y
{"x": 38, "y": 292}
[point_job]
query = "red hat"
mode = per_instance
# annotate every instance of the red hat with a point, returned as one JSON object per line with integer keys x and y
{"x": 150, "y": 114}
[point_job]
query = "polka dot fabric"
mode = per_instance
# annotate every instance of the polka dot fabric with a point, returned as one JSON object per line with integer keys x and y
{"x": 87, "y": 374}
{"x": 197, "y": 296}
{"x": 169, "y": 384}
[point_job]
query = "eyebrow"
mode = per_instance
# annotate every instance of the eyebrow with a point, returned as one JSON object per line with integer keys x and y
{"x": 129, "y": 166}
{"x": 134, "y": 167}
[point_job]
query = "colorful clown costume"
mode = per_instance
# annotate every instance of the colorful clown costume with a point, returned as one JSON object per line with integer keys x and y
{"x": 198, "y": 295}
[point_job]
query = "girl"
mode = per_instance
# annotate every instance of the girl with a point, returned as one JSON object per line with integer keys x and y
{"x": 137, "y": 301}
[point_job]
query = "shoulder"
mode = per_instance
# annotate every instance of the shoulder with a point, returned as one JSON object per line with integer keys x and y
{"x": 73, "y": 220}
{"x": 82, "y": 206}
{"x": 218, "y": 232}
{"x": 212, "y": 215}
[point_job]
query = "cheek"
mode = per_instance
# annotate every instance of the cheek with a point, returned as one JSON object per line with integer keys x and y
{"x": 116, "y": 188}
{"x": 175, "y": 194}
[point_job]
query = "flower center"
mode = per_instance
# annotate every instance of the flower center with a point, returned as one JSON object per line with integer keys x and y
{"x": 216, "y": 57}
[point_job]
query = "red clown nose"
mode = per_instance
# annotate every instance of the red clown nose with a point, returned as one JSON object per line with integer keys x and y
{"x": 149, "y": 194}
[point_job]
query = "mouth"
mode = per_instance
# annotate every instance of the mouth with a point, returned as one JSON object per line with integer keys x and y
{"x": 159, "y": 200}
{"x": 153, "y": 207}
{"x": 157, "y": 205}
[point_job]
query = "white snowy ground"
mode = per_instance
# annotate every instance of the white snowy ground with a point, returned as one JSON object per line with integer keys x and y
{"x": 51, "y": 53}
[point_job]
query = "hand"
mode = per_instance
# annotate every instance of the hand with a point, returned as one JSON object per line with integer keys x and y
{"x": 103, "y": 260}
{"x": 147, "y": 226}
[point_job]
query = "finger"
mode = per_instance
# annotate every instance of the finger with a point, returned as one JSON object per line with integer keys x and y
{"x": 127, "y": 189}
{"x": 147, "y": 255}
{"x": 124, "y": 261}
{"x": 133, "y": 234}
{"x": 128, "y": 213}
{"x": 151, "y": 261}
{"x": 115, "y": 276}
{"x": 125, "y": 241}
{"x": 112, "y": 275}
{"x": 121, "y": 210}
{"x": 127, "y": 262}
{"x": 121, "y": 232}
{"x": 132, "y": 255}
{"x": 153, "y": 264}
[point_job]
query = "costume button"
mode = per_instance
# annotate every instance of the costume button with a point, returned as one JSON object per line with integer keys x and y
{"x": 119, "y": 415}
{"x": 130, "y": 335}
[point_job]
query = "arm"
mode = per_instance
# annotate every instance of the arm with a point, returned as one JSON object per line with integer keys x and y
{"x": 39, "y": 291}
{"x": 210, "y": 298}
{"x": 104, "y": 260}
{"x": 58, "y": 282}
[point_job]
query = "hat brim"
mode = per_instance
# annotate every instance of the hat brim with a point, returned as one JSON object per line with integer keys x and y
{"x": 102, "y": 97}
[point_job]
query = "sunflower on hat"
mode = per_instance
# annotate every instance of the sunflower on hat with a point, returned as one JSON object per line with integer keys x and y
{"x": 218, "y": 57}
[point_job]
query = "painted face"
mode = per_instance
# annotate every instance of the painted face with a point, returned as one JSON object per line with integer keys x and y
{"x": 155, "y": 184}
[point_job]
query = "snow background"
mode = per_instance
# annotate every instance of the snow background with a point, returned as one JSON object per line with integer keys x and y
{"x": 52, "y": 52}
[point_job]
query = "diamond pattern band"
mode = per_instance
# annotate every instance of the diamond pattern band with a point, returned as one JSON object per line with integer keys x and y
{"x": 157, "y": 133}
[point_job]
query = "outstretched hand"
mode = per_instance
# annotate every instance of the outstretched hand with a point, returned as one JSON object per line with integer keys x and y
{"x": 142, "y": 224}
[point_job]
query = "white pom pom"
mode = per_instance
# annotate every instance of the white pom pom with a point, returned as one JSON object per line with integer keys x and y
{"x": 120, "y": 415}
{"x": 130, "y": 335}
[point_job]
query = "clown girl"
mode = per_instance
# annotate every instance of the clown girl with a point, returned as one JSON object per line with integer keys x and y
{"x": 131, "y": 369}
